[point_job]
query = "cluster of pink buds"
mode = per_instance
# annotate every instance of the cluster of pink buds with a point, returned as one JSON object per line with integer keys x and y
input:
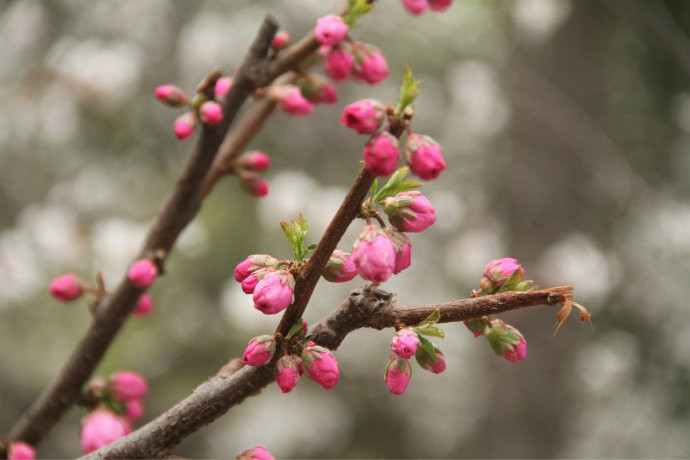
{"x": 19, "y": 451}
{"x": 417, "y": 7}
{"x": 291, "y": 99}
{"x": 208, "y": 111}
{"x": 255, "y": 453}
{"x": 268, "y": 280}
{"x": 249, "y": 167}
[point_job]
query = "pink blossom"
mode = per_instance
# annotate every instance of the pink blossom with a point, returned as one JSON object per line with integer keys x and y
{"x": 259, "y": 351}
{"x": 439, "y": 5}
{"x": 20, "y": 451}
{"x": 259, "y": 188}
{"x": 185, "y": 125}
{"x": 405, "y": 343}
{"x": 497, "y": 272}
{"x": 381, "y": 154}
{"x": 364, "y": 116}
{"x": 475, "y": 326}
{"x": 144, "y": 305}
{"x": 506, "y": 341}
{"x": 330, "y": 30}
{"x": 274, "y": 293}
{"x": 211, "y": 113}
{"x": 134, "y": 410}
{"x": 281, "y": 40}
{"x": 143, "y": 273}
{"x": 398, "y": 373}
{"x": 327, "y": 94}
{"x": 424, "y": 156}
{"x": 254, "y": 161}
{"x": 254, "y": 263}
{"x": 170, "y": 95}
{"x": 100, "y": 428}
{"x": 321, "y": 365}
{"x": 128, "y": 385}
{"x": 223, "y": 85}
{"x": 403, "y": 249}
{"x": 338, "y": 62}
{"x": 370, "y": 65}
{"x": 340, "y": 267}
{"x": 415, "y": 7}
{"x": 409, "y": 211}
{"x": 317, "y": 89}
{"x": 287, "y": 373}
{"x": 434, "y": 362}
{"x": 255, "y": 453}
{"x": 291, "y": 99}
{"x": 518, "y": 352}
{"x": 66, "y": 287}
{"x": 374, "y": 255}
{"x": 249, "y": 284}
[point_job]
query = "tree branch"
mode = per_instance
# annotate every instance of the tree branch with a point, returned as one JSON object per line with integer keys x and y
{"x": 367, "y": 307}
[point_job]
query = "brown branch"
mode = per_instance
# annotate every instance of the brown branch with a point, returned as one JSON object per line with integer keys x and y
{"x": 367, "y": 307}
{"x": 180, "y": 207}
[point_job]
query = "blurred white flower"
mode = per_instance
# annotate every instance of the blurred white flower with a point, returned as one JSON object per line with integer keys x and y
{"x": 537, "y": 20}
{"x": 115, "y": 243}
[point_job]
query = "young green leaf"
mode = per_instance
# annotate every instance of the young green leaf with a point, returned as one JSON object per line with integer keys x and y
{"x": 408, "y": 90}
{"x": 396, "y": 185}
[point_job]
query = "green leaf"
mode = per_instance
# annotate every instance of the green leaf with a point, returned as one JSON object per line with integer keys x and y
{"x": 374, "y": 187}
{"x": 393, "y": 184}
{"x": 432, "y": 331}
{"x": 512, "y": 282}
{"x": 296, "y": 233}
{"x": 356, "y": 9}
{"x": 430, "y": 320}
{"x": 294, "y": 329}
{"x": 426, "y": 346}
{"x": 408, "y": 90}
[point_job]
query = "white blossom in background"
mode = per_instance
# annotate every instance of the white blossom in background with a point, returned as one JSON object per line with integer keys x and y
{"x": 54, "y": 231}
{"x": 21, "y": 29}
{"x": 537, "y": 20}
{"x": 115, "y": 243}
{"x": 468, "y": 254}
{"x": 20, "y": 267}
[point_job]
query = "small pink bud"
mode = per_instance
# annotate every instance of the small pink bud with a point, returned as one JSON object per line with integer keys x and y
{"x": 424, "y": 156}
{"x": 398, "y": 373}
{"x": 254, "y": 263}
{"x": 291, "y": 99}
{"x": 281, "y": 40}
{"x": 134, "y": 410}
{"x": 260, "y": 188}
{"x": 518, "y": 352}
{"x": 170, "y": 95}
{"x": 253, "y": 182}
{"x": 506, "y": 341}
{"x": 439, "y": 5}
{"x": 409, "y": 211}
{"x": 415, "y": 7}
{"x": 274, "y": 293}
{"x": 287, "y": 373}
{"x": 381, "y": 154}
{"x": 249, "y": 283}
{"x": 128, "y": 385}
{"x": 66, "y": 287}
{"x": 321, "y": 365}
{"x": 364, "y": 116}
{"x": 223, "y": 85}
{"x": 340, "y": 267}
{"x": 143, "y": 273}
{"x": 405, "y": 343}
{"x": 144, "y": 305}
{"x": 370, "y": 65}
{"x": 100, "y": 428}
{"x": 330, "y": 30}
{"x": 185, "y": 125}
{"x": 254, "y": 161}
{"x": 374, "y": 255}
{"x": 475, "y": 326}
{"x": 20, "y": 451}
{"x": 403, "y": 249}
{"x": 211, "y": 113}
{"x": 259, "y": 351}
{"x": 255, "y": 453}
{"x": 434, "y": 362}
{"x": 338, "y": 62}
{"x": 497, "y": 272}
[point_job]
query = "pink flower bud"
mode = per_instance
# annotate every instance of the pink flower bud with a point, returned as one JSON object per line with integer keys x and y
{"x": 403, "y": 249}
{"x": 100, "y": 428}
{"x": 475, "y": 326}
{"x": 330, "y": 30}
{"x": 381, "y": 154}
{"x": 211, "y": 113}
{"x": 128, "y": 385}
{"x": 20, "y": 451}
{"x": 434, "y": 362}
{"x": 439, "y": 5}
{"x": 259, "y": 188}
{"x": 185, "y": 125}
{"x": 409, "y": 211}
{"x": 281, "y": 40}
{"x": 287, "y": 373}
{"x": 254, "y": 263}
{"x": 423, "y": 154}
{"x": 143, "y": 273}
{"x": 405, "y": 343}
{"x": 317, "y": 89}
{"x": 170, "y": 95}
{"x": 255, "y": 453}
{"x": 338, "y": 62}
{"x": 321, "y": 365}
{"x": 249, "y": 283}
{"x": 66, "y": 287}
{"x": 415, "y": 7}
{"x": 497, "y": 272}
{"x": 274, "y": 293}
{"x": 134, "y": 410}
{"x": 340, "y": 267}
{"x": 370, "y": 65}
{"x": 374, "y": 255}
{"x": 259, "y": 351}
{"x": 254, "y": 161}
{"x": 506, "y": 341}
{"x": 518, "y": 352}
{"x": 144, "y": 305}
{"x": 398, "y": 373}
{"x": 223, "y": 85}
{"x": 253, "y": 182}
{"x": 364, "y": 116}
{"x": 291, "y": 99}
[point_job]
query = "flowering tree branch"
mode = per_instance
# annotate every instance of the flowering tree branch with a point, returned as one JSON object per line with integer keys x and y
{"x": 367, "y": 307}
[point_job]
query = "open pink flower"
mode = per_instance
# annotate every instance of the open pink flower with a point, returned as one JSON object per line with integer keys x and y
{"x": 410, "y": 211}
{"x": 374, "y": 255}
{"x": 20, "y": 451}
{"x": 321, "y": 365}
{"x": 405, "y": 343}
{"x": 287, "y": 374}
{"x": 100, "y": 428}
{"x": 398, "y": 373}
{"x": 330, "y": 30}
{"x": 128, "y": 385}
{"x": 66, "y": 287}
{"x": 424, "y": 156}
{"x": 364, "y": 116}
{"x": 143, "y": 273}
{"x": 259, "y": 351}
{"x": 381, "y": 154}
{"x": 274, "y": 293}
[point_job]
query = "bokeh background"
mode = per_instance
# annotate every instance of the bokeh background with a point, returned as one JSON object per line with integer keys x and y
{"x": 566, "y": 128}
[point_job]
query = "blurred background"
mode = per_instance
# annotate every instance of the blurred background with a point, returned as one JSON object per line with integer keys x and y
{"x": 566, "y": 128}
